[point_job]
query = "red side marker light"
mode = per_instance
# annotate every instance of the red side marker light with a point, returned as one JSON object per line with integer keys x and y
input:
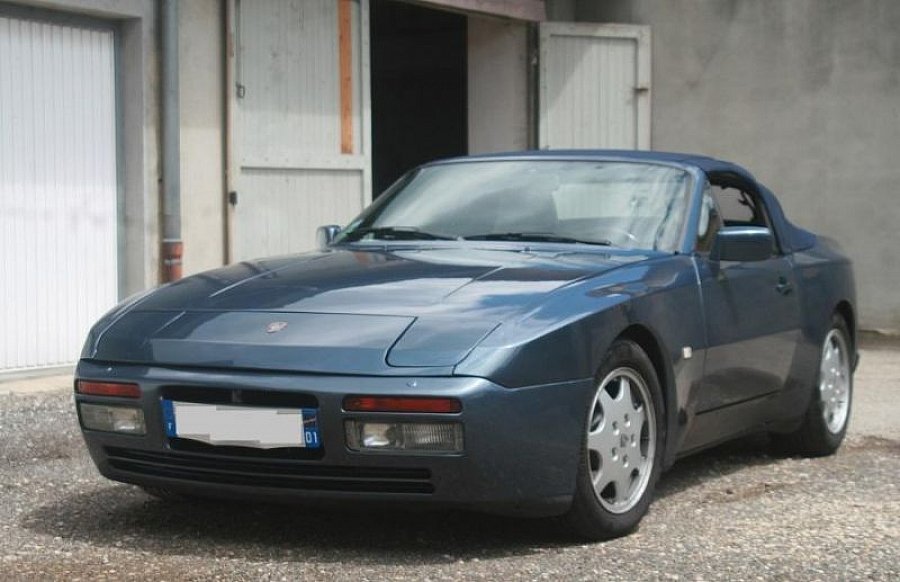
{"x": 401, "y": 404}
{"x": 107, "y": 389}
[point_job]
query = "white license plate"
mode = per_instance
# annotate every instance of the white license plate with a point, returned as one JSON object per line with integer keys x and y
{"x": 241, "y": 426}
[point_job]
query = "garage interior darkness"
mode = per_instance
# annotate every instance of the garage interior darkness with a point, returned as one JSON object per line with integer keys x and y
{"x": 419, "y": 93}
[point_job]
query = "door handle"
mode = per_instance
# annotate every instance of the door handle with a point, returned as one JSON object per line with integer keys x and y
{"x": 784, "y": 286}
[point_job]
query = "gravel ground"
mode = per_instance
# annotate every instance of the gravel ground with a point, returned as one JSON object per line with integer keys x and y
{"x": 736, "y": 512}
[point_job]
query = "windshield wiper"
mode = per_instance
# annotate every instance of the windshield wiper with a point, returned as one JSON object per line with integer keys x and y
{"x": 537, "y": 237}
{"x": 395, "y": 233}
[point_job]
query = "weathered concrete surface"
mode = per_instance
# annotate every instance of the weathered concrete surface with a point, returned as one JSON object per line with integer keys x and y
{"x": 804, "y": 93}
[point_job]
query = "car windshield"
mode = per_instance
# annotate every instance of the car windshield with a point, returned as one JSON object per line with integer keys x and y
{"x": 629, "y": 205}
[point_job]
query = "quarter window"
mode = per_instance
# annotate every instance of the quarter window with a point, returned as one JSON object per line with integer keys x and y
{"x": 740, "y": 208}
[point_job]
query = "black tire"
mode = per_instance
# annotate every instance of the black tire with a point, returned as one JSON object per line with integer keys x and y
{"x": 587, "y": 517}
{"x": 814, "y": 438}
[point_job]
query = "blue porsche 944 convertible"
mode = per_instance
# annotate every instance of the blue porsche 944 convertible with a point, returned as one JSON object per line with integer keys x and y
{"x": 540, "y": 333}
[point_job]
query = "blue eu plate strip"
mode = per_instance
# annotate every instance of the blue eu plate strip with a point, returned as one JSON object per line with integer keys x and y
{"x": 311, "y": 428}
{"x": 168, "y": 412}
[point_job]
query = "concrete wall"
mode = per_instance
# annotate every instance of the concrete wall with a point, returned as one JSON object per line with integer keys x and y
{"x": 805, "y": 94}
{"x": 497, "y": 85}
{"x": 201, "y": 63}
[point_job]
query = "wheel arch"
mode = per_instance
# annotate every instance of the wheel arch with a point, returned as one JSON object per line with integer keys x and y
{"x": 845, "y": 310}
{"x": 653, "y": 346}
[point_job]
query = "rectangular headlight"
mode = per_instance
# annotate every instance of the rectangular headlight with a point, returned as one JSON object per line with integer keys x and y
{"x": 121, "y": 419}
{"x": 426, "y": 437}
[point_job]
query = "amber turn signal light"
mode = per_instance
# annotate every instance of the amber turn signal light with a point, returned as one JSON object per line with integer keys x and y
{"x": 107, "y": 389}
{"x": 426, "y": 404}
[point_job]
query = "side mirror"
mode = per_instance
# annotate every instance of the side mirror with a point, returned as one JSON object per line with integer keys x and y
{"x": 325, "y": 235}
{"x": 742, "y": 243}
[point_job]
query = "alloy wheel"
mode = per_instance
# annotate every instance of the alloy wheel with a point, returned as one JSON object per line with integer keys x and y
{"x": 621, "y": 440}
{"x": 834, "y": 381}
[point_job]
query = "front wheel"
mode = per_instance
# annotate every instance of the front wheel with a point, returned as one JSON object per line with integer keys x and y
{"x": 622, "y": 447}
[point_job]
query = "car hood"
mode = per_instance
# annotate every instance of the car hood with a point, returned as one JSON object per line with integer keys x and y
{"x": 352, "y": 310}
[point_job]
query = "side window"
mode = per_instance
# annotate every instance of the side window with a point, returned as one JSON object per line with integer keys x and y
{"x": 710, "y": 222}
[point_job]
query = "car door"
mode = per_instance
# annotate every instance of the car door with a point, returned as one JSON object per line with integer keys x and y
{"x": 751, "y": 309}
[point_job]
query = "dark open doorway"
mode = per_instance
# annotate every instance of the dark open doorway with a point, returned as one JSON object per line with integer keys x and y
{"x": 419, "y": 95}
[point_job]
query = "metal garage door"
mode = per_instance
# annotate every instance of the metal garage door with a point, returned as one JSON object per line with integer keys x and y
{"x": 58, "y": 192}
{"x": 302, "y": 121}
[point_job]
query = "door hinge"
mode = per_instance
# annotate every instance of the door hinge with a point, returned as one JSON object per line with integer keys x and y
{"x": 232, "y": 198}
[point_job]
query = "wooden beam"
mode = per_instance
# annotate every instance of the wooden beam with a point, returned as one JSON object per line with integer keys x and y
{"x": 532, "y": 10}
{"x": 345, "y": 50}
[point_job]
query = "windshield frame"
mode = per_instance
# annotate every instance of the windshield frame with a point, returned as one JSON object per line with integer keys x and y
{"x": 689, "y": 219}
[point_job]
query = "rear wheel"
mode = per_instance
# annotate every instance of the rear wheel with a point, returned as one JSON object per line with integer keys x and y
{"x": 825, "y": 422}
{"x": 622, "y": 446}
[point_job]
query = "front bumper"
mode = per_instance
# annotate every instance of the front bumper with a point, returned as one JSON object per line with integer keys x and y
{"x": 521, "y": 446}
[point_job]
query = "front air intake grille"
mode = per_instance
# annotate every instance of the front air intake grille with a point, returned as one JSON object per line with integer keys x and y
{"x": 246, "y": 396}
{"x": 271, "y": 473}
{"x": 282, "y": 453}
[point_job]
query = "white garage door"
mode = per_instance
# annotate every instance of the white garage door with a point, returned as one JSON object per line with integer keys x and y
{"x": 58, "y": 195}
